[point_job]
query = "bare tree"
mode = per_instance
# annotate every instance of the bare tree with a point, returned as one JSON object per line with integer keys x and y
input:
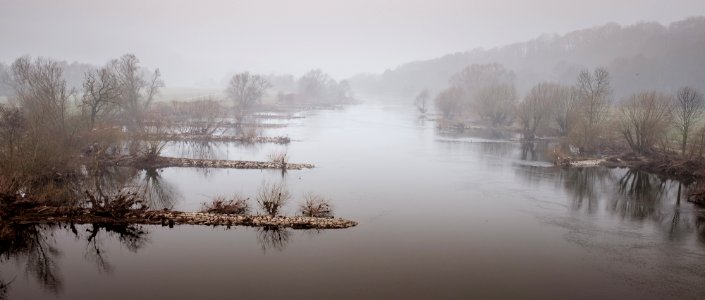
{"x": 101, "y": 92}
{"x": 563, "y": 108}
{"x": 5, "y": 88}
{"x": 137, "y": 88}
{"x": 535, "y": 107}
{"x": 687, "y": 111}
{"x": 421, "y": 100}
{"x": 49, "y": 132}
{"x": 449, "y": 102}
{"x": 644, "y": 118}
{"x": 495, "y": 103}
{"x": 315, "y": 85}
{"x": 246, "y": 90}
{"x": 12, "y": 125}
{"x": 594, "y": 101}
{"x": 41, "y": 91}
{"x": 271, "y": 197}
{"x": 474, "y": 77}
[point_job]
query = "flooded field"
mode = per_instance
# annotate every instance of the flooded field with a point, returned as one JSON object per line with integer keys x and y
{"x": 440, "y": 216}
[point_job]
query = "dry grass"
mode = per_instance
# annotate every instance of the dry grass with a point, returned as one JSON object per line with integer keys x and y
{"x": 235, "y": 205}
{"x": 316, "y": 206}
{"x": 280, "y": 157}
{"x": 271, "y": 197}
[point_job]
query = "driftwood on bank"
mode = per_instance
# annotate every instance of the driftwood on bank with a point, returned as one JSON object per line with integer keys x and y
{"x": 166, "y": 162}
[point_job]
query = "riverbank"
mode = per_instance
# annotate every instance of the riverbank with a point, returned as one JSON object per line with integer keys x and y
{"x": 672, "y": 166}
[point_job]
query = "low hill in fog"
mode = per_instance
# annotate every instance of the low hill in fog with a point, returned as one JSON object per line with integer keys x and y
{"x": 646, "y": 55}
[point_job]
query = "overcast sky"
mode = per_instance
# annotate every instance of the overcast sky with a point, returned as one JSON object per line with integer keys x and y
{"x": 194, "y": 42}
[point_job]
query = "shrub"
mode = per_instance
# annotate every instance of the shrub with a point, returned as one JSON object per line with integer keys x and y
{"x": 272, "y": 197}
{"x": 279, "y": 157}
{"x": 236, "y": 205}
{"x": 316, "y": 206}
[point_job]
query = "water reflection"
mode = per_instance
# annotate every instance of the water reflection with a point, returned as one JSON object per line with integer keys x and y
{"x": 157, "y": 193}
{"x": 106, "y": 182}
{"x": 31, "y": 246}
{"x": 200, "y": 149}
{"x": 273, "y": 238}
{"x": 132, "y": 237}
{"x": 34, "y": 248}
{"x": 640, "y": 193}
{"x": 630, "y": 195}
{"x": 477, "y": 132}
{"x": 585, "y": 186}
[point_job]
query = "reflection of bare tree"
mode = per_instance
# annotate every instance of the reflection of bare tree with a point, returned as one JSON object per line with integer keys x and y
{"x": 104, "y": 182}
{"x": 33, "y": 245}
{"x": 200, "y": 149}
{"x": 700, "y": 227}
{"x": 157, "y": 193}
{"x": 132, "y": 237}
{"x": 498, "y": 149}
{"x": 3, "y": 289}
{"x": 585, "y": 185}
{"x": 273, "y": 237}
{"x": 528, "y": 152}
{"x": 639, "y": 194}
{"x": 29, "y": 243}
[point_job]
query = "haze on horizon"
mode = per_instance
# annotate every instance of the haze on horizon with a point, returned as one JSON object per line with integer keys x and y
{"x": 198, "y": 43}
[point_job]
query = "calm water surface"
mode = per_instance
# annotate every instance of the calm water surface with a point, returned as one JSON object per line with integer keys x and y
{"x": 441, "y": 216}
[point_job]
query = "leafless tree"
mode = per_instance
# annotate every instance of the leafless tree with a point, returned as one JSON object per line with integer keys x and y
{"x": 5, "y": 88}
{"x": 449, "y": 102}
{"x": 315, "y": 205}
{"x": 495, "y": 103}
{"x": 474, "y": 77}
{"x": 315, "y": 84}
{"x": 271, "y": 197}
{"x": 12, "y": 125}
{"x": 101, "y": 92}
{"x": 687, "y": 111}
{"x": 644, "y": 118}
{"x": 563, "y": 108}
{"x": 594, "y": 101}
{"x": 246, "y": 90}
{"x": 41, "y": 91}
{"x": 50, "y": 131}
{"x": 535, "y": 108}
{"x": 137, "y": 88}
{"x": 421, "y": 100}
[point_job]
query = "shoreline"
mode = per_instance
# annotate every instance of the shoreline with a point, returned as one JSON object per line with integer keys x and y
{"x": 689, "y": 171}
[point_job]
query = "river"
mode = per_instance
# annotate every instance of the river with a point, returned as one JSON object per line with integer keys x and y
{"x": 440, "y": 216}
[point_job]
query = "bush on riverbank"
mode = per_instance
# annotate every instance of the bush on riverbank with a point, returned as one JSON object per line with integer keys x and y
{"x": 316, "y": 206}
{"x": 235, "y": 205}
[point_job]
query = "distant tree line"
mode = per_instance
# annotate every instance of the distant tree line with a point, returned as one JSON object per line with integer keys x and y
{"x": 247, "y": 90}
{"x": 585, "y": 113}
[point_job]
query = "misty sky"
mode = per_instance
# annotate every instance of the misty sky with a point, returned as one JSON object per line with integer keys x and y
{"x": 196, "y": 42}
